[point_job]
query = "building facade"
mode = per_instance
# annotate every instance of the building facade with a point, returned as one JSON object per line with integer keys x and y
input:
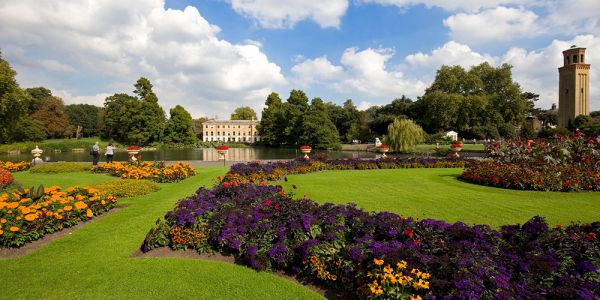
{"x": 574, "y": 86}
{"x": 240, "y": 131}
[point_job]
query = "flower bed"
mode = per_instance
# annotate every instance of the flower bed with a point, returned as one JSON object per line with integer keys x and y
{"x": 5, "y": 178}
{"x": 565, "y": 164}
{"x": 158, "y": 172}
{"x": 257, "y": 172}
{"x": 14, "y": 167}
{"x": 28, "y": 215}
{"x": 222, "y": 147}
{"x": 382, "y": 255}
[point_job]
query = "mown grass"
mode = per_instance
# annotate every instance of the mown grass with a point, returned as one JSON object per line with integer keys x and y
{"x": 95, "y": 261}
{"x": 438, "y": 194}
{"x": 55, "y": 144}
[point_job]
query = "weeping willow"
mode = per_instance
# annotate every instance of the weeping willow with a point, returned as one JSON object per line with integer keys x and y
{"x": 403, "y": 135}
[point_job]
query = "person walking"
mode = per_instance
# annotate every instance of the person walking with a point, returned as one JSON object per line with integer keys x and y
{"x": 110, "y": 152}
{"x": 95, "y": 154}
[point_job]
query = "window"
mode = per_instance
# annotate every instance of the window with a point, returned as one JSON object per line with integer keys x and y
{"x": 211, "y": 133}
{"x": 568, "y": 60}
{"x": 582, "y": 61}
{"x": 205, "y": 126}
{"x": 228, "y": 126}
{"x": 575, "y": 58}
{"x": 218, "y": 133}
{"x": 567, "y": 91}
{"x": 241, "y": 126}
{"x": 217, "y": 126}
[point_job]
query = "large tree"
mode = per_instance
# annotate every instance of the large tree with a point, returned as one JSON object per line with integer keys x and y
{"x": 37, "y": 95}
{"x": 117, "y": 116}
{"x": 180, "y": 127}
{"x": 244, "y": 113}
{"x": 15, "y": 123}
{"x": 404, "y": 134}
{"x": 84, "y": 115}
{"x": 272, "y": 123}
{"x": 51, "y": 112}
{"x": 316, "y": 127}
{"x": 198, "y": 127}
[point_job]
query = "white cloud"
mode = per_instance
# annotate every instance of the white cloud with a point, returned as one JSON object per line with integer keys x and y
{"x": 362, "y": 74}
{"x": 449, "y": 5}
{"x": 316, "y": 70}
{"x": 451, "y": 53}
{"x": 111, "y": 44}
{"x": 286, "y": 13}
{"x": 492, "y": 25}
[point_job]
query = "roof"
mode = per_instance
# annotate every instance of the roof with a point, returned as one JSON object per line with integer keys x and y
{"x": 232, "y": 122}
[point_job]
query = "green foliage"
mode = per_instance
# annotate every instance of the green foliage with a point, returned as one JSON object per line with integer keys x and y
{"x": 527, "y": 132}
{"x": 180, "y": 127}
{"x": 134, "y": 120}
{"x": 403, "y": 135}
{"x": 51, "y": 112}
{"x": 55, "y": 144}
{"x": 60, "y": 167}
{"x": 592, "y": 127}
{"x": 548, "y": 133}
{"x": 37, "y": 95}
{"x": 317, "y": 128}
{"x": 244, "y": 113}
{"x": 127, "y": 187}
{"x": 84, "y": 115}
{"x": 28, "y": 129}
{"x": 272, "y": 123}
{"x": 581, "y": 121}
{"x": 198, "y": 128}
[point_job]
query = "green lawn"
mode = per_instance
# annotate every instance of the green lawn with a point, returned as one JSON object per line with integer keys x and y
{"x": 438, "y": 194}
{"x": 94, "y": 261}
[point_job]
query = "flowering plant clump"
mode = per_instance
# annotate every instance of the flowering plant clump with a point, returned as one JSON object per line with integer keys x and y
{"x": 26, "y": 216}
{"x": 146, "y": 170}
{"x": 14, "y": 167}
{"x": 134, "y": 148}
{"x": 382, "y": 255}
{"x": 5, "y": 178}
{"x": 222, "y": 147}
{"x": 305, "y": 147}
{"x": 384, "y": 146}
{"x": 258, "y": 172}
{"x": 564, "y": 164}
{"x": 456, "y": 145}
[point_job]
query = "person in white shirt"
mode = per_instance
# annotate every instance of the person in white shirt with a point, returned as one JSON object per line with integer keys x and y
{"x": 95, "y": 154}
{"x": 110, "y": 152}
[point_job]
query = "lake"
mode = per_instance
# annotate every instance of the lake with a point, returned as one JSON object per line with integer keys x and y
{"x": 201, "y": 154}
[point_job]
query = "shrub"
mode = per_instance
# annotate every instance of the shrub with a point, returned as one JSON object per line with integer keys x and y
{"x": 156, "y": 171}
{"x": 14, "y": 167}
{"x": 61, "y": 167}
{"x": 370, "y": 254}
{"x": 27, "y": 215}
{"x": 127, "y": 187}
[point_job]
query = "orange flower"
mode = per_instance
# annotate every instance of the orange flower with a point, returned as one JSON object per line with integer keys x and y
{"x": 68, "y": 208}
{"x": 378, "y": 262}
{"x": 30, "y": 217}
{"x": 1, "y": 231}
{"x": 80, "y": 205}
{"x": 14, "y": 228}
{"x": 2, "y": 221}
{"x": 89, "y": 213}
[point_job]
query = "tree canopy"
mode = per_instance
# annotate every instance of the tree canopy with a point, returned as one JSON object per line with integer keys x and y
{"x": 244, "y": 113}
{"x": 179, "y": 127}
{"x": 51, "y": 112}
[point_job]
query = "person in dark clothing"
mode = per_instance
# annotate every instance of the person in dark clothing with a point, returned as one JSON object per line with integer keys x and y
{"x": 95, "y": 154}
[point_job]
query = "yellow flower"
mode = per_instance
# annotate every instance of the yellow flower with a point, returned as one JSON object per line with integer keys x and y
{"x": 378, "y": 262}
{"x": 388, "y": 269}
{"x": 401, "y": 265}
{"x": 1, "y": 231}
{"x": 415, "y": 297}
{"x": 31, "y": 217}
{"x": 14, "y": 228}
{"x": 89, "y": 213}
{"x": 80, "y": 205}
{"x": 67, "y": 208}
{"x": 332, "y": 250}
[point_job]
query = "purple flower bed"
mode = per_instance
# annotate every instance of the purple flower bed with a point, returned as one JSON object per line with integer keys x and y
{"x": 336, "y": 246}
{"x": 257, "y": 172}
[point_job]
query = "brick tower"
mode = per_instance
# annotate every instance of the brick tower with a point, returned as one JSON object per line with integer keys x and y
{"x": 574, "y": 86}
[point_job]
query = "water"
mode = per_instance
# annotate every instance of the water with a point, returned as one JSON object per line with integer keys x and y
{"x": 201, "y": 154}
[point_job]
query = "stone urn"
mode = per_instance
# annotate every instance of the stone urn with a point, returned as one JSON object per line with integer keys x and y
{"x": 222, "y": 151}
{"x": 305, "y": 150}
{"x": 133, "y": 151}
{"x": 37, "y": 152}
{"x": 383, "y": 149}
{"x": 456, "y": 148}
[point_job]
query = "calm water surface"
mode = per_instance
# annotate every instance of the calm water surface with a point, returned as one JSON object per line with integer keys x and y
{"x": 202, "y": 154}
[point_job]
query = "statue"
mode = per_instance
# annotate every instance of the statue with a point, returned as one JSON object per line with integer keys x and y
{"x": 377, "y": 142}
{"x": 37, "y": 152}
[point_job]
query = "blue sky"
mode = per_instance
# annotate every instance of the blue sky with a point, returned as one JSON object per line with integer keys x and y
{"x": 212, "y": 56}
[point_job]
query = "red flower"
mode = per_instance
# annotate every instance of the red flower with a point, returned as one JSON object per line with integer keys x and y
{"x": 219, "y": 178}
{"x": 282, "y": 193}
{"x": 268, "y": 202}
{"x": 410, "y": 232}
{"x": 558, "y": 226}
{"x": 384, "y": 146}
{"x": 226, "y": 184}
{"x": 133, "y": 147}
{"x": 222, "y": 147}
{"x": 591, "y": 236}
{"x": 305, "y": 147}
{"x": 234, "y": 183}
{"x": 276, "y": 206}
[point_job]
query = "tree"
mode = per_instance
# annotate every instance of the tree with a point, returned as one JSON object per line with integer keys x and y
{"x": 293, "y": 113}
{"x": 244, "y": 113}
{"x": 84, "y": 115}
{"x": 404, "y": 134}
{"x": 37, "y": 95}
{"x": 14, "y": 106}
{"x": 148, "y": 125}
{"x": 118, "y": 113}
{"x": 271, "y": 125}
{"x": 581, "y": 121}
{"x": 179, "y": 127}
{"x": 592, "y": 127}
{"x": 317, "y": 129}
{"x": 51, "y": 113}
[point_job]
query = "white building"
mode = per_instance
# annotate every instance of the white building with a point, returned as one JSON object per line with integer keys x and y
{"x": 241, "y": 131}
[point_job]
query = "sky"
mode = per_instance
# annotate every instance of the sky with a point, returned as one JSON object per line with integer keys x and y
{"x": 212, "y": 56}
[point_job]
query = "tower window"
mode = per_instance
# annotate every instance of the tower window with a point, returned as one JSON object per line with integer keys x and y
{"x": 582, "y": 61}
{"x": 575, "y": 58}
{"x": 568, "y": 60}
{"x": 567, "y": 91}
